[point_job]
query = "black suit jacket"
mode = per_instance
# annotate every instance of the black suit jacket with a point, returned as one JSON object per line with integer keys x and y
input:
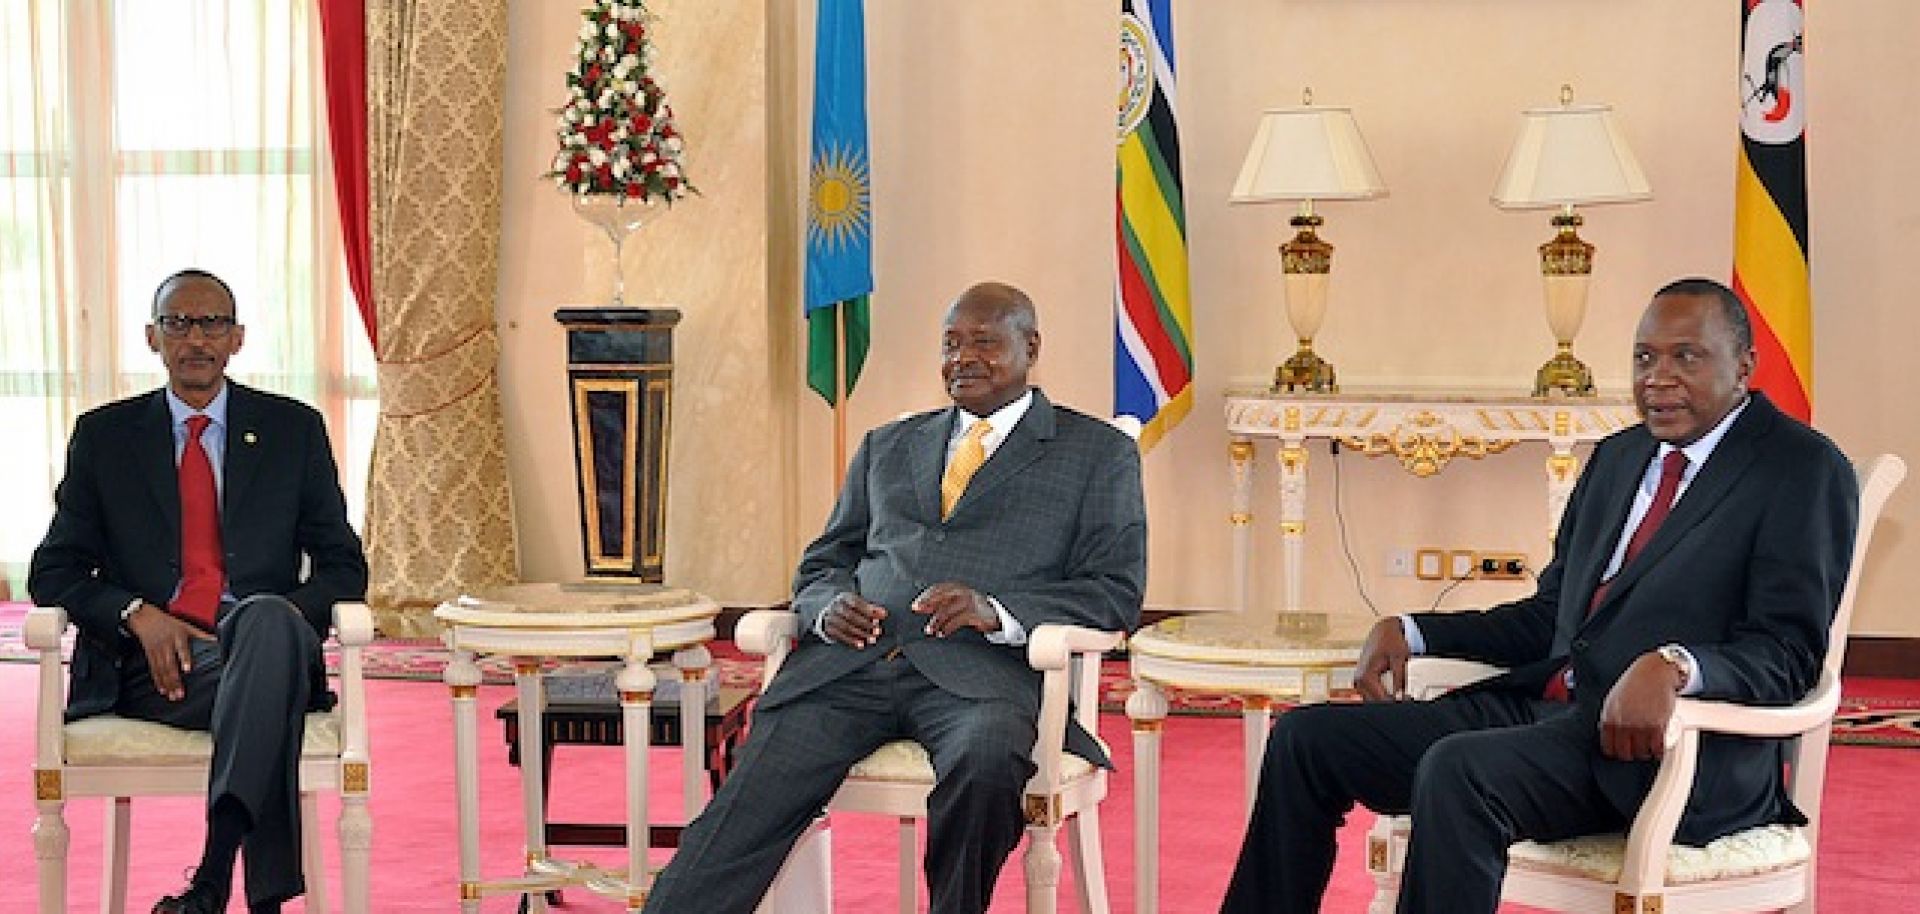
{"x": 1053, "y": 526}
{"x": 116, "y": 525}
{"x": 1746, "y": 573}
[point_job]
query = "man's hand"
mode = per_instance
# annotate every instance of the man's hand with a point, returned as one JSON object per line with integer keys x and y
{"x": 1633, "y": 722}
{"x": 852, "y": 621}
{"x": 168, "y": 643}
{"x": 1385, "y": 654}
{"x": 953, "y": 607}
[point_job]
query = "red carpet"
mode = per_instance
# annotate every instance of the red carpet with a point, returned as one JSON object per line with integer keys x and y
{"x": 1865, "y": 850}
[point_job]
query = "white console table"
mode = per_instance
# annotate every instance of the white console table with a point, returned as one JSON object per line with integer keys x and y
{"x": 1422, "y": 430}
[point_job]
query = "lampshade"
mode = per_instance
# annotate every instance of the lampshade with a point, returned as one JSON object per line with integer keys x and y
{"x": 1307, "y": 153}
{"x": 1569, "y": 155}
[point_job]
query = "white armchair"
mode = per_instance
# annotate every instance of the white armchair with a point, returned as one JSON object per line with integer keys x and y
{"x": 1643, "y": 872}
{"x": 111, "y": 756}
{"x": 896, "y": 779}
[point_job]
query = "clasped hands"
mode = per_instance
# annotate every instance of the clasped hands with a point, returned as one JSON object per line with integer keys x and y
{"x": 168, "y": 644}
{"x": 1633, "y": 720}
{"x": 949, "y": 607}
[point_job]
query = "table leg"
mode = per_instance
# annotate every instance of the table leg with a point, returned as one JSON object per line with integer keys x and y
{"x": 533, "y": 702}
{"x": 635, "y": 683}
{"x": 1240, "y": 452}
{"x": 1293, "y": 520}
{"x": 1563, "y": 469}
{"x": 1147, "y": 707}
{"x": 694, "y": 664}
{"x": 462, "y": 677}
{"x": 1256, "y": 720}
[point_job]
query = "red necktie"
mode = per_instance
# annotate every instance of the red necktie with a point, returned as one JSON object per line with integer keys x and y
{"x": 202, "y": 575}
{"x": 1672, "y": 467}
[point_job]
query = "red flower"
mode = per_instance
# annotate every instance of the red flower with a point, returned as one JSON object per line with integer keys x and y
{"x": 635, "y": 189}
{"x": 603, "y": 177}
{"x": 573, "y": 173}
{"x": 593, "y": 75}
{"x": 601, "y": 134}
{"x": 642, "y": 123}
{"x": 672, "y": 182}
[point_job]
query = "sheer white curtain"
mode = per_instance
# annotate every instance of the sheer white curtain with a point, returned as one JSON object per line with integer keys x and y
{"x": 139, "y": 137}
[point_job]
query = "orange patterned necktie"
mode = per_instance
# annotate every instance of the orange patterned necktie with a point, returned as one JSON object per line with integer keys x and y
{"x": 202, "y": 575}
{"x": 966, "y": 461}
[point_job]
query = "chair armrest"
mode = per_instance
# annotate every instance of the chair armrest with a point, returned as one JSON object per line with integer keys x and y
{"x": 1051, "y": 649}
{"x": 1051, "y": 646}
{"x": 44, "y": 626}
{"x": 353, "y": 626}
{"x": 769, "y": 633}
{"x": 1643, "y": 869}
{"x": 353, "y": 623}
{"x": 1431, "y": 677}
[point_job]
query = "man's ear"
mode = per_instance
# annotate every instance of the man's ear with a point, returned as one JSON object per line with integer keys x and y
{"x": 153, "y": 338}
{"x": 1033, "y": 346}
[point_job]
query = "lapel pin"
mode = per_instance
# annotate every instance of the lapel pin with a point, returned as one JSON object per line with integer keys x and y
{"x": 250, "y": 438}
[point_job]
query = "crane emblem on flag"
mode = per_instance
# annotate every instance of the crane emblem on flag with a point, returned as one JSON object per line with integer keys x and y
{"x": 1771, "y": 72}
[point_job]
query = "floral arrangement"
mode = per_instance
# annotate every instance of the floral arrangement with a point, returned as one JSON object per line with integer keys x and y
{"x": 616, "y": 130}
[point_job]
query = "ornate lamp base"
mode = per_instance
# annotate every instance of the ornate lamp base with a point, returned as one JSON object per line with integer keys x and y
{"x": 1563, "y": 374}
{"x": 1305, "y": 370}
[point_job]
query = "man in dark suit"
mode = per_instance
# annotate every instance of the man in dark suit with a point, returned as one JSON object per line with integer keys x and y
{"x": 177, "y": 544}
{"x": 1702, "y": 553}
{"x": 956, "y": 533}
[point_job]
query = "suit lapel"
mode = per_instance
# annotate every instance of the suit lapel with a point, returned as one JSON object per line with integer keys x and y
{"x": 242, "y": 460}
{"x": 1023, "y": 445}
{"x": 927, "y": 456}
{"x": 154, "y": 446}
{"x": 1725, "y": 466}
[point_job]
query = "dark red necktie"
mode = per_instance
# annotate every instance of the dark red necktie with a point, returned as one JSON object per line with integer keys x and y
{"x": 1672, "y": 467}
{"x": 202, "y": 574}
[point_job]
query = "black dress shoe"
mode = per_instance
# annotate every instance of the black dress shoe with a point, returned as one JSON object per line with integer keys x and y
{"x": 196, "y": 899}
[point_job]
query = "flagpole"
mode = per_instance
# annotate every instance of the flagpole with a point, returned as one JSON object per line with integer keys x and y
{"x": 841, "y": 393}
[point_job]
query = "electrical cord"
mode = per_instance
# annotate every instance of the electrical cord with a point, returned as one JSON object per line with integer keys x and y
{"x": 1340, "y": 517}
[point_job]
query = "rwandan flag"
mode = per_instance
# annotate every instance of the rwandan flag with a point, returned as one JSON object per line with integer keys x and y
{"x": 839, "y": 214}
{"x": 1153, "y": 319}
{"x": 1770, "y": 202}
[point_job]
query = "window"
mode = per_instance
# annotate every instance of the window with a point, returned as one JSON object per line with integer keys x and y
{"x": 138, "y": 138}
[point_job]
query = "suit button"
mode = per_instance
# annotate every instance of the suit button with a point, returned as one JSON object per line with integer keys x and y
{"x": 1579, "y": 644}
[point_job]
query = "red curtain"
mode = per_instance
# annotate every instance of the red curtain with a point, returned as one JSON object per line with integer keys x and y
{"x": 343, "y": 37}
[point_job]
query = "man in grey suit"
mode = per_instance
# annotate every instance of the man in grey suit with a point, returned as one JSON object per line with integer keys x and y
{"x": 957, "y": 532}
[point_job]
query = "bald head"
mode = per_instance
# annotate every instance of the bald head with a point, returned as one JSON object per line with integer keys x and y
{"x": 991, "y": 338}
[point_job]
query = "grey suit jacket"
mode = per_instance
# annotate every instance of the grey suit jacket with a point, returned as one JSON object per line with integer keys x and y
{"x": 1745, "y": 573}
{"x": 1053, "y": 526}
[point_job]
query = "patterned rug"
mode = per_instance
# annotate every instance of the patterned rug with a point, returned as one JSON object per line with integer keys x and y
{"x": 1863, "y": 720}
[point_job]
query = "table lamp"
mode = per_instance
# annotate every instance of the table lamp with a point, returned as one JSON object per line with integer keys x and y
{"x": 1567, "y": 156}
{"x": 1307, "y": 153}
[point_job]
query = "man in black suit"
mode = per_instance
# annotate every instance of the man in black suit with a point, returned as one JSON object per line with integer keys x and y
{"x": 957, "y": 532}
{"x": 177, "y": 544}
{"x": 1702, "y": 553}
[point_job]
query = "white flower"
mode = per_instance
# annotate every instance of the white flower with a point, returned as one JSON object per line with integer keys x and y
{"x": 597, "y": 156}
{"x": 620, "y": 168}
{"x": 648, "y": 158}
{"x": 613, "y": 31}
{"x": 671, "y": 145}
{"x": 587, "y": 32}
{"x": 570, "y": 114}
{"x": 629, "y": 61}
{"x": 670, "y": 170}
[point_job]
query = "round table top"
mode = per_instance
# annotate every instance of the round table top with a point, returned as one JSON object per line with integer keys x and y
{"x": 578, "y": 605}
{"x": 1255, "y": 639}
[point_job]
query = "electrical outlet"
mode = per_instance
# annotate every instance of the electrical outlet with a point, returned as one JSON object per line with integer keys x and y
{"x": 1501, "y": 566}
{"x": 1460, "y": 564}
{"x": 1400, "y": 563}
{"x": 1430, "y": 564}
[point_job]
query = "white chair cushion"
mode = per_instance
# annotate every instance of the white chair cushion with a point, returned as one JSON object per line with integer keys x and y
{"x": 109, "y": 739}
{"x": 1756, "y": 850}
{"x": 906, "y": 761}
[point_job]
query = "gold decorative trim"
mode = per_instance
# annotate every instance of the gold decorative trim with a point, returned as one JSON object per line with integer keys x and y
{"x": 1290, "y": 419}
{"x": 616, "y": 367}
{"x": 1427, "y": 447}
{"x": 1624, "y": 903}
{"x": 1293, "y": 528}
{"x": 629, "y": 390}
{"x": 464, "y": 691}
{"x": 534, "y": 857}
{"x": 1240, "y": 451}
{"x": 1293, "y": 458}
{"x": 1043, "y": 810}
{"x": 48, "y": 784}
{"x": 664, "y": 388}
{"x": 354, "y": 777}
{"x": 522, "y": 667}
{"x": 1377, "y": 855}
{"x": 627, "y": 697}
{"x": 1562, "y": 423}
{"x": 1562, "y": 466}
{"x": 469, "y": 891}
{"x": 1240, "y": 518}
{"x": 693, "y": 674}
{"x": 1149, "y": 726}
{"x": 1257, "y": 702}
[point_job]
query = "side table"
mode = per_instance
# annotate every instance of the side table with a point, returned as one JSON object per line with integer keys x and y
{"x": 1255, "y": 658}
{"x": 532, "y": 623}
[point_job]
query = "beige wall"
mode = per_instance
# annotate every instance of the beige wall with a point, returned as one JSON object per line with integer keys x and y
{"x": 992, "y": 129}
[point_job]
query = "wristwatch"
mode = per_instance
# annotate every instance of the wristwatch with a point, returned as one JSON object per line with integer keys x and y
{"x": 133, "y": 606}
{"x": 1682, "y": 663}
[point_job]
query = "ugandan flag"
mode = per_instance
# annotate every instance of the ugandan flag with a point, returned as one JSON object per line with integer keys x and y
{"x": 1770, "y": 202}
{"x": 1153, "y": 317}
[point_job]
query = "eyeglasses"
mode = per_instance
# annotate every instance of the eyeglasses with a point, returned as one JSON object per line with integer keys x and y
{"x": 212, "y": 326}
